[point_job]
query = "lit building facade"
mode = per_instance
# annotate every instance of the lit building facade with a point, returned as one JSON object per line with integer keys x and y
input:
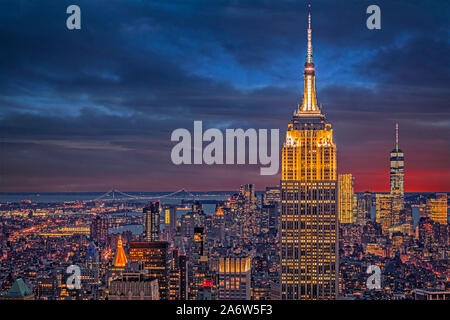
{"x": 120, "y": 260}
{"x": 99, "y": 229}
{"x": 90, "y": 274}
{"x": 155, "y": 256}
{"x": 397, "y": 178}
{"x": 133, "y": 286}
{"x": 248, "y": 192}
{"x": 346, "y": 203}
{"x": 272, "y": 196}
{"x": 170, "y": 220}
{"x": 178, "y": 276}
{"x": 309, "y": 222}
{"x": 248, "y": 195}
{"x": 431, "y": 294}
{"x": 437, "y": 208}
{"x": 234, "y": 278}
{"x": 197, "y": 254}
{"x": 384, "y": 212}
{"x": 365, "y": 206}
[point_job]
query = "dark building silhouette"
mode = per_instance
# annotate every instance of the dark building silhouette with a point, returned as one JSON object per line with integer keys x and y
{"x": 151, "y": 221}
{"x": 99, "y": 229}
{"x": 155, "y": 256}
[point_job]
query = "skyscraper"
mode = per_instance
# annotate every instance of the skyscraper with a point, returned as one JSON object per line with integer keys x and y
{"x": 346, "y": 203}
{"x": 272, "y": 196}
{"x": 155, "y": 256}
{"x": 170, "y": 220}
{"x": 178, "y": 276}
{"x": 151, "y": 221}
{"x": 248, "y": 192}
{"x": 234, "y": 278}
{"x": 384, "y": 210}
{"x": 269, "y": 215}
{"x": 309, "y": 261}
{"x": 99, "y": 229}
{"x": 91, "y": 269}
{"x": 397, "y": 178}
{"x": 437, "y": 208}
{"x": 120, "y": 260}
{"x": 197, "y": 254}
{"x": 365, "y": 206}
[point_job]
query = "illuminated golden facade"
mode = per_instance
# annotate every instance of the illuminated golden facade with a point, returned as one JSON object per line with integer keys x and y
{"x": 437, "y": 208}
{"x": 121, "y": 259}
{"x": 309, "y": 263}
{"x": 234, "y": 278}
{"x": 384, "y": 213}
{"x": 346, "y": 203}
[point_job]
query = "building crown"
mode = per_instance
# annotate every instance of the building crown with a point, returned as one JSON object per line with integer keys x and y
{"x": 309, "y": 104}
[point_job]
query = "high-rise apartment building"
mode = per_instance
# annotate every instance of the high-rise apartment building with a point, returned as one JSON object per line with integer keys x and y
{"x": 309, "y": 222}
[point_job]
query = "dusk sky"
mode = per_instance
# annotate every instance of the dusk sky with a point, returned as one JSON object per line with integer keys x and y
{"x": 92, "y": 109}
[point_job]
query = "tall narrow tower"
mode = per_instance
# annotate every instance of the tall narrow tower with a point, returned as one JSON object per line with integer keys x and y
{"x": 309, "y": 224}
{"x": 397, "y": 179}
{"x": 120, "y": 259}
{"x": 346, "y": 199}
{"x": 151, "y": 221}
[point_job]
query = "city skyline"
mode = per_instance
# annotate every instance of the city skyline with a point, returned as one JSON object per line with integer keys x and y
{"x": 96, "y": 108}
{"x": 353, "y": 207}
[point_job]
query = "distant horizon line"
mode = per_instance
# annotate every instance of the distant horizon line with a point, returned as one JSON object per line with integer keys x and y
{"x": 188, "y": 191}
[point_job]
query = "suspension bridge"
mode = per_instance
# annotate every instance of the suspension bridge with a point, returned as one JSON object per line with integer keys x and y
{"x": 116, "y": 195}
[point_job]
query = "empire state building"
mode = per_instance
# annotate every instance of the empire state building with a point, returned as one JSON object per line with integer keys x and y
{"x": 309, "y": 225}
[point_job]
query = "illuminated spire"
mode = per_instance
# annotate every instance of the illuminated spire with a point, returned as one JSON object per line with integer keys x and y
{"x": 309, "y": 104}
{"x": 396, "y": 136}
{"x": 121, "y": 259}
{"x": 309, "y": 55}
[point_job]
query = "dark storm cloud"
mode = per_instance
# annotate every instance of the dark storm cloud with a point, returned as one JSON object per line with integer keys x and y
{"x": 84, "y": 110}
